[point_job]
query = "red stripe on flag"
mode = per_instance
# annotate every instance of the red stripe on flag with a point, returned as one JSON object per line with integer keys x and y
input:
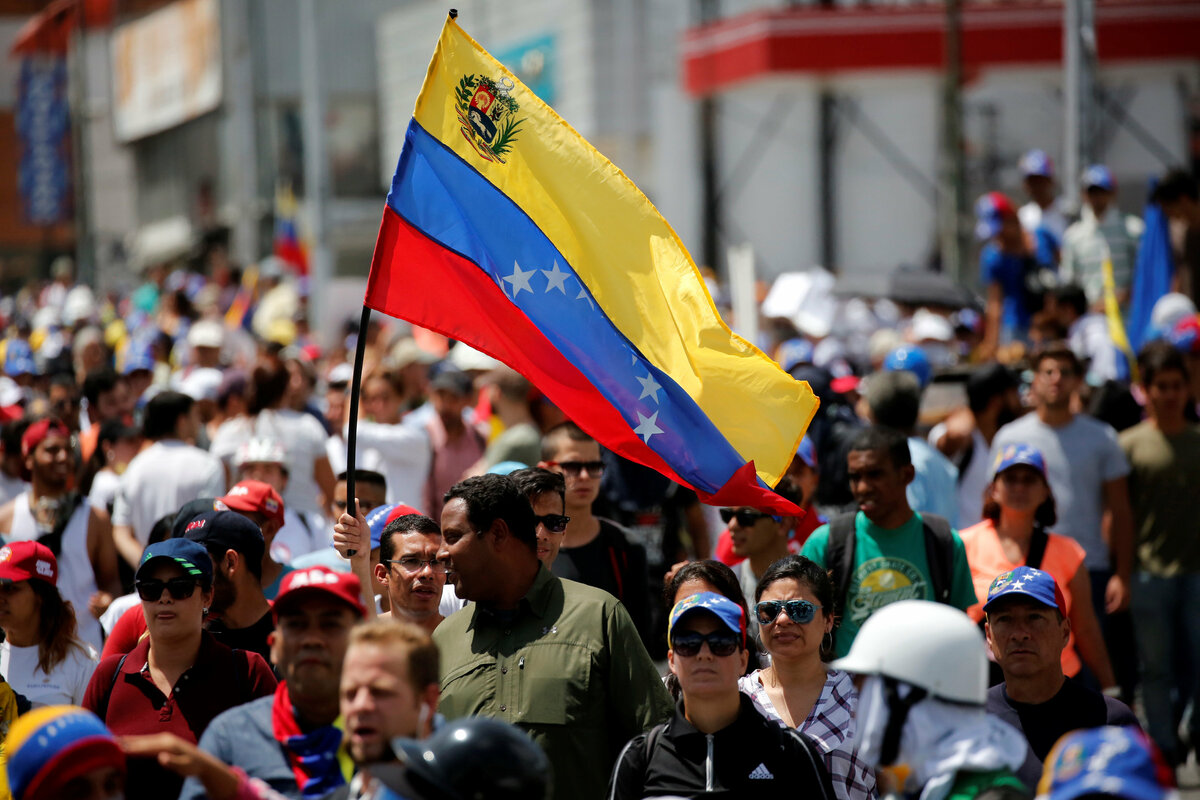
{"x": 416, "y": 279}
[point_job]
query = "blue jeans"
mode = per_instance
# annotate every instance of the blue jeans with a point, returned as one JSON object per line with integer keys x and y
{"x": 1168, "y": 636}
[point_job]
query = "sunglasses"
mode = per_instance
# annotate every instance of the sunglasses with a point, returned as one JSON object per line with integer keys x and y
{"x": 800, "y": 612}
{"x": 746, "y": 517}
{"x": 720, "y": 643}
{"x": 555, "y": 523}
{"x": 575, "y": 468}
{"x": 179, "y": 589}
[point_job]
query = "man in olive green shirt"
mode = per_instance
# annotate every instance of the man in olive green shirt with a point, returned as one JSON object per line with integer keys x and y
{"x": 560, "y": 660}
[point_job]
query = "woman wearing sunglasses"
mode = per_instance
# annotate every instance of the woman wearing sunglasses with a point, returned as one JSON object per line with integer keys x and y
{"x": 178, "y": 677}
{"x": 793, "y": 608}
{"x": 41, "y": 657}
{"x": 718, "y": 743}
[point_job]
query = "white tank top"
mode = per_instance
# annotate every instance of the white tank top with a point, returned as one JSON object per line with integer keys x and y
{"x": 76, "y": 578}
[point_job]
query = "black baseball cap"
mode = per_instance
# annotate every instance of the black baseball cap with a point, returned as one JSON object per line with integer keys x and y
{"x": 226, "y": 530}
{"x": 189, "y": 511}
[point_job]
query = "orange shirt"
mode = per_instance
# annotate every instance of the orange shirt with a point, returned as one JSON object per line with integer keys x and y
{"x": 1063, "y": 558}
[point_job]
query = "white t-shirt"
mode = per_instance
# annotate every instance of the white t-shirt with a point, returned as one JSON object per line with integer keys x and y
{"x": 160, "y": 479}
{"x": 65, "y": 684}
{"x": 406, "y": 457}
{"x": 365, "y": 457}
{"x": 303, "y": 441}
{"x": 10, "y": 487}
{"x": 300, "y": 534}
{"x": 115, "y": 609}
{"x": 104, "y": 489}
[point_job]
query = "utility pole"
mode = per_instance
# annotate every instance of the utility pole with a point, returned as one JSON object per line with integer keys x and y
{"x": 1079, "y": 64}
{"x": 710, "y": 198}
{"x": 316, "y": 182}
{"x": 952, "y": 188}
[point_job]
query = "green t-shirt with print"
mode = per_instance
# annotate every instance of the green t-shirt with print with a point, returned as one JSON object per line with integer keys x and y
{"x": 890, "y": 565}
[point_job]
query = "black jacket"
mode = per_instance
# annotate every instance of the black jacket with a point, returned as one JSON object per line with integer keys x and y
{"x": 753, "y": 757}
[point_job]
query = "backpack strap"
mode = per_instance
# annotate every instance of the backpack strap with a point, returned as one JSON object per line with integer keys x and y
{"x": 103, "y": 713}
{"x": 939, "y": 553}
{"x": 1037, "y": 547}
{"x": 839, "y": 559}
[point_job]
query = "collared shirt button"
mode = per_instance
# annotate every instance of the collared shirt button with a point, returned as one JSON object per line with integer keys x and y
{"x": 504, "y": 708}
{"x": 507, "y": 632}
{"x": 504, "y": 670}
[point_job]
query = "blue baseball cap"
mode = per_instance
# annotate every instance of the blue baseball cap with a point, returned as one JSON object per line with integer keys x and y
{"x": 188, "y": 554}
{"x": 990, "y": 211}
{"x": 1018, "y": 454}
{"x": 1036, "y": 162}
{"x": 1099, "y": 176}
{"x": 1027, "y": 582}
{"x": 377, "y": 520}
{"x": 507, "y": 468}
{"x": 138, "y": 356}
{"x": 18, "y": 358}
{"x": 807, "y": 453}
{"x": 910, "y": 358}
{"x": 793, "y": 353}
{"x": 728, "y": 612}
{"x": 1111, "y": 760}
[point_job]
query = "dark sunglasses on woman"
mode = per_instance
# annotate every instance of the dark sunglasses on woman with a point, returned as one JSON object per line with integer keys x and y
{"x": 800, "y": 612}
{"x": 720, "y": 643}
{"x": 179, "y": 589}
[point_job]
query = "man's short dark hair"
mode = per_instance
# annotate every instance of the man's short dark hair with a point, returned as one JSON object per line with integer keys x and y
{"x": 11, "y": 435}
{"x": 1071, "y": 295}
{"x": 564, "y": 431}
{"x": 534, "y": 481}
{"x": 493, "y": 497}
{"x": 1176, "y": 185}
{"x": 409, "y": 523}
{"x": 888, "y": 440}
{"x": 1157, "y": 357}
{"x": 1059, "y": 351}
{"x": 362, "y": 476}
{"x": 98, "y": 382}
{"x": 894, "y": 398}
{"x": 163, "y": 413}
{"x": 987, "y": 382}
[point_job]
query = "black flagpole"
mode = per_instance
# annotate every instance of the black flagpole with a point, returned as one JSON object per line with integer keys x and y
{"x": 352, "y": 436}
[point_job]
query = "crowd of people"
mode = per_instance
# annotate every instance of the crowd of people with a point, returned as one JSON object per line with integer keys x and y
{"x": 201, "y": 597}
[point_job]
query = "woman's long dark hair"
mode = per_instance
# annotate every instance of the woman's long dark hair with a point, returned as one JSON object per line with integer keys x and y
{"x": 723, "y": 579}
{"x": 1045, "y": 516}
{"x": 807, "y": 573}
{"x": 56, "y": 626}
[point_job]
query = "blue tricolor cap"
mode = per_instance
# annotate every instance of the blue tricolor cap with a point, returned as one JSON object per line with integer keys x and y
{"x": 807, "y": 453}
{"x": 188, "y": 554}
{"x": 1028, "y": 582}
{"x": 1111, "y": 760}
{"x": 1099, "y": 176}
{"x": 138, "y": 356}
{"x": 1036, "y": 162}
{"x": 377, "y": 520}
{"x": 18, "y": 358}
{"x": 793, "y": 353}
{"x": 910, "y": 358}
{"x": 1016, "y": 455}
{"x": 728, "y": 612}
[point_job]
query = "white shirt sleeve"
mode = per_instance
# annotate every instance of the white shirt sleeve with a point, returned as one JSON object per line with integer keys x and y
{"x": 402, "y": 442}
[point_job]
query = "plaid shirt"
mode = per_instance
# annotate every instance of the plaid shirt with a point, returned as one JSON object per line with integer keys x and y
{"x": 831, "y": 725}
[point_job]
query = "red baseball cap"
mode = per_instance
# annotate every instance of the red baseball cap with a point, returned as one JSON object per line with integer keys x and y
{"x": 35, "y": 434}
{"x": 319, "y": 581}
{"x": 27, "y": 561}
{"x": 255, "y": 497}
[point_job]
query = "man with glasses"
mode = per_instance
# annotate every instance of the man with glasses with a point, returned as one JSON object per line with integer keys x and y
{"x": 1087, "y": 471}
{"x": 717, "y": 743}
{"x": 593, "y": 550}
{"x": 560, "y": 660}
{"x": 546, "y": 492}
{"x": 411, "y": 571}
{"x": 760, "y": 539}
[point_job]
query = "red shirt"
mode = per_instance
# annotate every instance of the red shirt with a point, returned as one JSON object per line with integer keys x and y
{"x": 130, "y": 703}
{"x": 126, "y": 633}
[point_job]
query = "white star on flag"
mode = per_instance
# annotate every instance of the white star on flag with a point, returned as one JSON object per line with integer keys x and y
{"x": 650, "y": 387}
{"x": 556, "y": 278}
{"x": 520, "y": 279}
{"x": 647, "y": 426}
{"x": 583, "y": 295}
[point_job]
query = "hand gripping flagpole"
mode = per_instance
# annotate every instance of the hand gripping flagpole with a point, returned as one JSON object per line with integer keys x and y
{"x": 352, "y": 436}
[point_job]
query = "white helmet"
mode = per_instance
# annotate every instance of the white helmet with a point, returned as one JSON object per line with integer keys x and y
{"x": 259, "y": 450}
{"x": 928, "y": 645}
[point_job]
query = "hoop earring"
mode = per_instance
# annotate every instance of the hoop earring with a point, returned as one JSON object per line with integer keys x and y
{"x": 827, "y": 642}
{"x": 204, "y": 611}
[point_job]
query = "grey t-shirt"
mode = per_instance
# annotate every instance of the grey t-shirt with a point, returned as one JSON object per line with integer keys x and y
{"x": 243, "y": 737}
{"x": 1081, "y": 457}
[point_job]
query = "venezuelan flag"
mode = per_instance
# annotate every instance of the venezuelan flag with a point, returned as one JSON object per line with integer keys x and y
{"x": 287, "y": 244}
{"x": 506, "y": 230}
